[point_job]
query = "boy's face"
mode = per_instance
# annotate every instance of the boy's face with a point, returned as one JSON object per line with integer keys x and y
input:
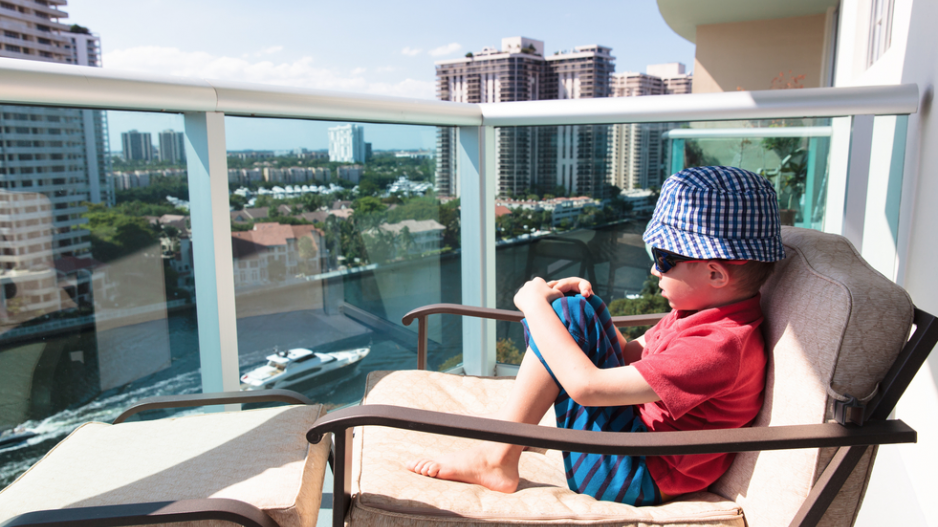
{"x": 687, "y": 286}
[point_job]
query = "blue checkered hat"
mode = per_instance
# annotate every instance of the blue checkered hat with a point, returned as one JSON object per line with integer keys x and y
{"x": 717, "y": 212}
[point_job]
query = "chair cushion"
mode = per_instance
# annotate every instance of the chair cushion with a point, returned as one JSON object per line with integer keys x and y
{"x": 257, "y": 456}
{"x": 831, "y": 322}
{"x": 385, "y": 493}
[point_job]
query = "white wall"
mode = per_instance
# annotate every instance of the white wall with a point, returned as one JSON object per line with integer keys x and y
{"x": 903, "y": 487}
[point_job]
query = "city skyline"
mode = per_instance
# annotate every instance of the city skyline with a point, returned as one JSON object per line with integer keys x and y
{"x": 381, "y": 49}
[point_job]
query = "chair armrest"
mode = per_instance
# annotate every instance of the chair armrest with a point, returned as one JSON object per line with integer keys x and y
{"x": 147, "y": 513}
{"x": 651, "y": 444}
{"x": 421, "y": 314}
{"x": 208, "y": 399}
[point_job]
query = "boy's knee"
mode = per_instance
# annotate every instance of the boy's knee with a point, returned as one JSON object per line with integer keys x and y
{"x": 573, "y": 307}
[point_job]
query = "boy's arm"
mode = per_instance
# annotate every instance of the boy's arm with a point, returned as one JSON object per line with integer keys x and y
{"x": 583, "y": 381}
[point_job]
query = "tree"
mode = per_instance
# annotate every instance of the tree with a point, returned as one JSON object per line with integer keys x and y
{"x": 237, "y": 201}
{"x": 649, "y": 302}
{"x": 368, "y": 205}
{"x": 415, "y": 209}
{"x": 505, "y": 353}
{"x": 115, "y": 235}
{"x": 367, "y": 187}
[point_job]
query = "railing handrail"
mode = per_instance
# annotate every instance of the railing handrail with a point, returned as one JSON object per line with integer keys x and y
{"x": 733, "y": 133}
{"x": 49, "y": 84}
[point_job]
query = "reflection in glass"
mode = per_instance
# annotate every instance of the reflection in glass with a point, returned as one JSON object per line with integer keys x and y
{"x": 574, "y": 200}
{"x": 332, "y": 246}
{"x": 92, "y": 312}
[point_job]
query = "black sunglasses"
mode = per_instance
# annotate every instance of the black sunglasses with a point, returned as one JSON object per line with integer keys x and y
{"x": 665, "y": 260}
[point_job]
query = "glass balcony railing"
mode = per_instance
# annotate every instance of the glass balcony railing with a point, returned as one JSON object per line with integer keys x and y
{"x": 328, "y": 256}
{"x": 792, "y": 154}
{"x": 113, "y": 291}
{"x": 96, "y": 311}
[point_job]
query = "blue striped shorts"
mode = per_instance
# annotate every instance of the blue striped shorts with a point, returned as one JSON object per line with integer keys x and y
{"x": 623, "y": 479}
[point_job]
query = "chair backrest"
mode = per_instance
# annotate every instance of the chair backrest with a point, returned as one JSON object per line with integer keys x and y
{"x": 832, "y": 325}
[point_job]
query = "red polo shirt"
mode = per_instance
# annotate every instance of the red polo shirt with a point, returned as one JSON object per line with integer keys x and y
{"x": 708, "y": 368}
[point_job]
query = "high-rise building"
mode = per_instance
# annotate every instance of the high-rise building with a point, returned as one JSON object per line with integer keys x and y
{"x": 86, "y": 51}
{"x": 55, "y": 151}
{"x": 676, "y": 81}
{"x": 172, "y": 146}
{"x": 543, "y": 158}
{"x": 137, "y": 146}
{"x": 635, "y": 159}
{"x": 347, "y": 144}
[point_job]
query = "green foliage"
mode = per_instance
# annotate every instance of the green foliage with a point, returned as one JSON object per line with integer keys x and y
{"x": 368, "y": 205}
{"x": 694, "y": 155}
{"x": 367, "y": 187}
{"x": 241, "y": 227}
{"x": 140, "y": 208}
{"x": 119, "y": 164}
{"x": 415, "y": 209}
{"x": 651, "y": 301}
{"x": 449, "y": 218}
{"x": 237, "y": 201}
{"x": 505, "y": 353}
{"x": 159, "y": 188}
{"x": 115, "y": 235}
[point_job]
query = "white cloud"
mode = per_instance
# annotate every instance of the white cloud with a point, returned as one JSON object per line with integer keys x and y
{"x": 445, "y": 50}
{"x": 301, "y": 72}
{"x": 272, "y": 49}
{"x": 410, "y": 52}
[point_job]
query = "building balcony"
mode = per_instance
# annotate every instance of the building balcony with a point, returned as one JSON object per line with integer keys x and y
{"x": 330, "y": 301}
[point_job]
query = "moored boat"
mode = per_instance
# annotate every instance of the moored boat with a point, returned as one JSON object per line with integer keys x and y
{"x": 287, "y": 368}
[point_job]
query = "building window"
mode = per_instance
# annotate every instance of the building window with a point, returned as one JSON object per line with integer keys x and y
{"x": 880, "y": 29}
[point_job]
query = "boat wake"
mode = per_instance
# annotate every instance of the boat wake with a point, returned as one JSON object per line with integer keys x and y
{"x": 16, "y": 458}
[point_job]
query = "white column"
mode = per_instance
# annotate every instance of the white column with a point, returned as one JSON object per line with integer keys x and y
{"x": 887, "y": 162}
{"x": 858, "y": 177}
{"x": 211, "y": 250}
{"x": 477, "y": 175}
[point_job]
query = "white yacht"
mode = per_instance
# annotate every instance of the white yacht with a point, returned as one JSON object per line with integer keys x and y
{"x": 287, "y": 368}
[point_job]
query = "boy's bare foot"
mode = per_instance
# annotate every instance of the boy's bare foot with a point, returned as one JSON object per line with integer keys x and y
{"x": 479, "y": 465}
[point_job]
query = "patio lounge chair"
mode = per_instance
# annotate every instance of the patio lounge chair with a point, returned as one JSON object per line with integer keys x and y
{"x": 252, "y": 468}
{"x": 840, "y": 357}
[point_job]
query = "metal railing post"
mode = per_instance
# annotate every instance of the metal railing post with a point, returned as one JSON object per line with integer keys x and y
{"x": 887, "y": 163}
{"x": 211, "y": 250}
{"x": 858, "y": 179}
{"x": 477, "y": 169}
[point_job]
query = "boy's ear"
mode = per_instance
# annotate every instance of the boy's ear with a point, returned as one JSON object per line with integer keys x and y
{"x": 719, "y": 276}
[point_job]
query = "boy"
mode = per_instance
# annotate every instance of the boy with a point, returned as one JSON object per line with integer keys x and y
{"x": 715, "y": 236}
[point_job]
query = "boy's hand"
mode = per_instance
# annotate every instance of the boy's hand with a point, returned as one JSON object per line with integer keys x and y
{"x": 533, "y": 292}
{"x": 573, "y": 283}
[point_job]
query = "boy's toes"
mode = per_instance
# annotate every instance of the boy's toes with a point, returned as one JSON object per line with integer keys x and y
{"x": 424, "y": 467}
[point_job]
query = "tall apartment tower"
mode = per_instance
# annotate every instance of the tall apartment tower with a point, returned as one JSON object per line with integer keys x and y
{"x": 636, "y": 151}
{"x": 46, "y": 150}
{"x": 172, "y": 146}
{"x": 347, "y": 144}
{"x": 137, "y": 146}
{"x": 541, "y": 158}
{"x": 86, "y": 51}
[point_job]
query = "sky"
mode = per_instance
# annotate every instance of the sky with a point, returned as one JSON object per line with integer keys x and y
{"x": 365, "y": 46}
